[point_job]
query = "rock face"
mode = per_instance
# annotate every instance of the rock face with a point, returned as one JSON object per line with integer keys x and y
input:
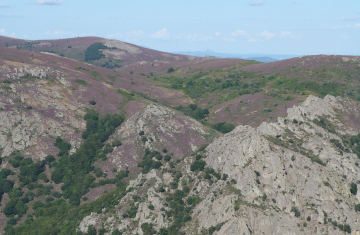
{"x": 157, "y": 127}
{"x": 287, "y": 177}
{"x": 34, "y": 109}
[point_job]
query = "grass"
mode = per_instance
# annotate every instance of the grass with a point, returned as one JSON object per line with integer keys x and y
{"x": 81, "y": 82}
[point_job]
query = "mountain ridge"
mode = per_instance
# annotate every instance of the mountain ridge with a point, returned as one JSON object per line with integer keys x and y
{"x": 178, "y": 145}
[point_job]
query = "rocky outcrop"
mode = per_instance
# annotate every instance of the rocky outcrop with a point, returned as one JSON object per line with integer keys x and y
{"x": 160, "y": 128}
{"x": 286, "y": 177}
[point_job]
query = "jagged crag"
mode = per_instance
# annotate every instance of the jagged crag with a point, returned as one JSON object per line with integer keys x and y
{"x": 104, "y": 137}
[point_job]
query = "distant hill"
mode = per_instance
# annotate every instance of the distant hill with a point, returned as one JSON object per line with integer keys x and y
{"x": 111, "y": 53}
{"x": 175, "y": 144}
{"x": 265, "y": 58}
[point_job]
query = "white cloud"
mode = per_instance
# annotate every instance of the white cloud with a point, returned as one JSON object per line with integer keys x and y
{"x": 258, "y": 3}
{"x": 285, "y": 34}
{"x": 161, "y": 34}
{"x": 60, "y": 34}
{"x": 199, "y": 37}
{"x": 49, "y": 2}
{"x": 217, "y": 34}
{"x": 240, "y": 33}
{"x": 136, "y": 33}
{"x": 355, "y": 26}
{"x": 116, "y": 35}
{"x": 3, "y": 32}
{"x": 334, "y": 27}
{"x": 268, "y": 35}
{"x": 251, "y": 39}
{"x": 244, "y": 34}
{"x": 288, "y": 34}
{"x": 228, "y": 39}
{"x": 4, "y": 5}
{"x": 344, "y": 18}
{"x": 344, "y": 36}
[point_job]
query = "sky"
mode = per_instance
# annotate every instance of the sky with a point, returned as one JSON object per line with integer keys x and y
{"x": 301, "y": 27}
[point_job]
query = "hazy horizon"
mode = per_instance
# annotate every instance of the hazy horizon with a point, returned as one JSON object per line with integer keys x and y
{"x": 231, "y": 27}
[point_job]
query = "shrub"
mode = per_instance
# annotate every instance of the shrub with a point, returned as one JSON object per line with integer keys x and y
{"x": 148, "y": 229}
{"x": 116, "y": 232}
{"x": 28, "y": 107}
{"x": 93, "y": 53}
{"x": 171, "y": 70}
{"x": 357, "y": 207}
{"x": 57, "y": 194}
{"x": 353, "y": 188}
{"x": 81, "y": 82}
{"x": 92, "y": 102}
{"x": 164, "y": 150}
{"x": 12, "y": 221}
{"x": 63, "y": 146}
{"x": 308, "y": 218}
{"x": 116, "y": 143}
{"x": 347, "y": 228}
{"x": 225, "y": 177}
{"x": 151, "y": 207}
{"x": 141, "y": 133}
{"x": 224, "y": 127}
{"x": 167, "y": 157}
{"x": 49, "y": 158}
{"x": 144, "y": 139}
{"x": 198, "y": 165}
{"x": 148, "y": 163}
{"x": 296, "y": 211}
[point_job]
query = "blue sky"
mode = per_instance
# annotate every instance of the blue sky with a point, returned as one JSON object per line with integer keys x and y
{"x": 300, "y": 27}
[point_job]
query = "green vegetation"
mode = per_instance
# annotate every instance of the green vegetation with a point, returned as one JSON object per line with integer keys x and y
{"x": 81, "y": 82}
{"x": 148, "y": 229}
{"x": 171, "y": 70}
{"x": 59, "y": 217}
{"x": 324, "y": 123}
{"x": 5, "y": 184}
{"x": 357, "y": 207}
{"x": 148, "y": 163}
{"x": 74, "y": 170}
{"x": 110, "y": 65}
{"x": 198, "y": 165}
{"x": 212, "y": 229}
{"x": 179, "y": 211}
{"x": 224, "y": 127}
{"x": 342, "y": 226}
{"x": 194, "y": 111}
{"x": 355, "y": 144}
{"x": 93, "y": 51}
{"x": 200, "y": 83}
{"x": 296, "y": 211}
{"x": 353, "y": 188}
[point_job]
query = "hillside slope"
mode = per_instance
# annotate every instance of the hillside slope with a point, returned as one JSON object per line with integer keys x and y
{"x": 288, "y": 177}
{"x": 46, "y": 104}
{"x": 142, "y": 148}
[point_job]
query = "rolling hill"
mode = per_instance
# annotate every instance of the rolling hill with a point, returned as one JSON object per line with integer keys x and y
{"x": 104, "y": 137}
